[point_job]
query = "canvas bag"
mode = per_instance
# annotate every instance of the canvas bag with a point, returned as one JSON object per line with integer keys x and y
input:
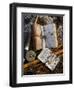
{"x": 50, "y": 35}
{"x": 36, "y": 35}
{"x": 48, "y": 31}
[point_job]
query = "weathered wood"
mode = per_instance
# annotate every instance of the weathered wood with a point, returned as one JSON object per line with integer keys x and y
{"x": 31, "y": 63}
{"x": 59, "y": 52}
